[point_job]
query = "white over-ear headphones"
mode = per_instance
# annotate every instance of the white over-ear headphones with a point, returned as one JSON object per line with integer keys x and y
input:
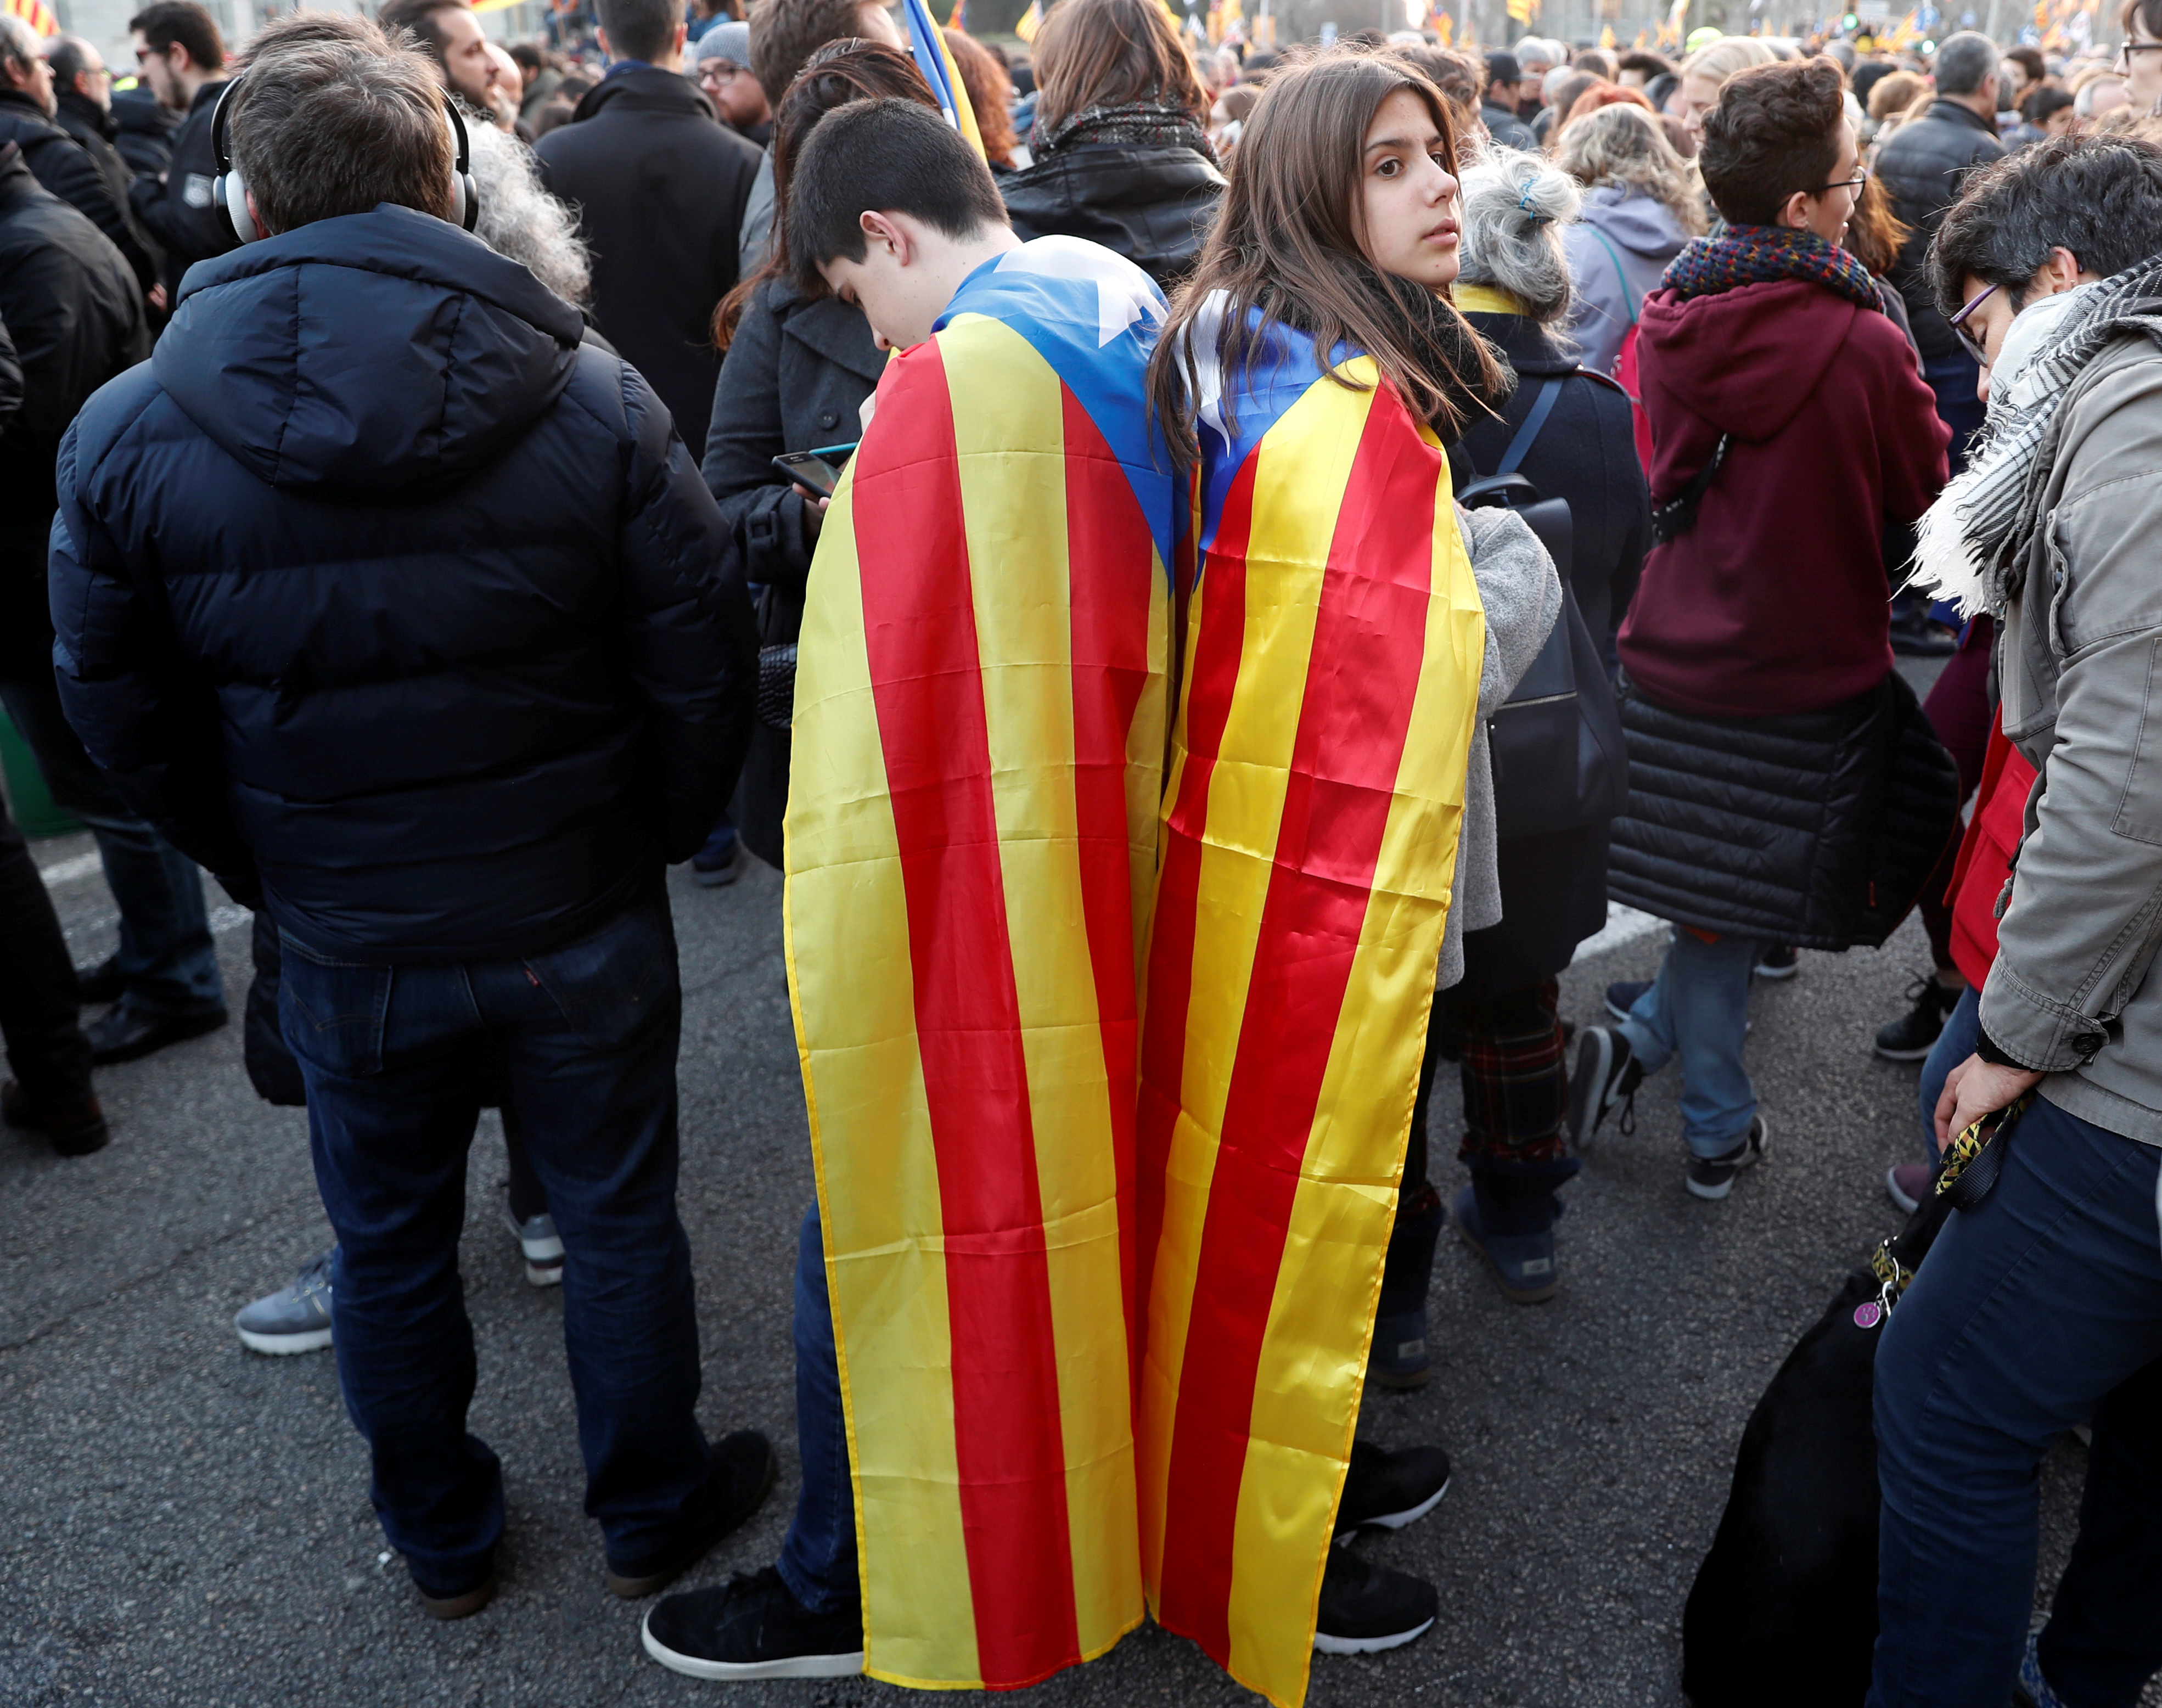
{"x": 229, "y": 193}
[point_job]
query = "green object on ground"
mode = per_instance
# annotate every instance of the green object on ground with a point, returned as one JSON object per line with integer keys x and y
{"x": 27, "y": 798}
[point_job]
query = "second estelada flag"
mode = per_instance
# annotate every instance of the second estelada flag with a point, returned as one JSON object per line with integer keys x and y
{"x": 1334, "y": 640}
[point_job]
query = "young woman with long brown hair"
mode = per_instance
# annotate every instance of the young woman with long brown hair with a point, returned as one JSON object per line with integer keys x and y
{"x": 1310, "y": 377}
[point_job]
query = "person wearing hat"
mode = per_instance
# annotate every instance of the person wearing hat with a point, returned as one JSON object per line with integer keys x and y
{"x": 725, "y": 73}
{"x": 1497, "y": 111}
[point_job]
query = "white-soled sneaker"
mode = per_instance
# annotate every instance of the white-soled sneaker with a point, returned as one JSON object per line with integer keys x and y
{"x": 538, "y": 1240}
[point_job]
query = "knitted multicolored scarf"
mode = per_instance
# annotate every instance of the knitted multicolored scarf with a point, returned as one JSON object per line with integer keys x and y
{"x": 1762, "y": 254}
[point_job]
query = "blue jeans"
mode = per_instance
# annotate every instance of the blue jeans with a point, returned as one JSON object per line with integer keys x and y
{"x": 1954, "y": 1045}
{"x": 2040, "y": 1309}
{"x": 818, "y": 1559}
{"x": 1698, "y": 1009}
{"x": 168, "y": 958}
{"x": 580, "y": 1043}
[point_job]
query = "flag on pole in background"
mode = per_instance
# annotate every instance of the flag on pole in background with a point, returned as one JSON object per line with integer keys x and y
{"x": 971, "y": 841}
{"x": 1444, "y": 25}
{"x": 959, "y": 20}
{"x": 935, "y": 59}
{"x": 1030, "y": 21}
{"x": 1334, "y": 639}
{"x": 1606, "y": 38}
{"x": 36, "y": 13}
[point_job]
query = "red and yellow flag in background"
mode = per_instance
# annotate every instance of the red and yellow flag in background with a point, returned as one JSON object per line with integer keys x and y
{"x": 1111, "y": 1070}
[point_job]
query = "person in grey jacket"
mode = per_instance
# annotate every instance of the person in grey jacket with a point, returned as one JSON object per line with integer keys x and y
{"x": 1641, "y": 204}
{"x": 2041, "y": 1308}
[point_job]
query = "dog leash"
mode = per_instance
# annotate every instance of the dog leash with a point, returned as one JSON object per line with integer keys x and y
{"x": 1971, "y": 1163}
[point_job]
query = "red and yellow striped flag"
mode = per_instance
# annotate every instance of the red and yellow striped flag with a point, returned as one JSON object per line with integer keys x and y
{"x": 1334, "y": 646}
{"x": 971, "y": 840}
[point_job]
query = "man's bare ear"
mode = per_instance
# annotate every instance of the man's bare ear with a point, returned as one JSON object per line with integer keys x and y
{"x": 884, "y": 231}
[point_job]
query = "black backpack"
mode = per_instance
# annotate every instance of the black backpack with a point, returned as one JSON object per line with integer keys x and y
{"x": 1560, "y": 760}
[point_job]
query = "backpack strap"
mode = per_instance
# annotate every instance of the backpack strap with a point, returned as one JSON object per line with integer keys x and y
{"x": 1676, "y": 517}
{"x": 1528, "y": 433}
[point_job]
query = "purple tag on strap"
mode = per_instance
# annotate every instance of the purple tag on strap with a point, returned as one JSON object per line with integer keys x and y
{"x": 1868, "y": 1315}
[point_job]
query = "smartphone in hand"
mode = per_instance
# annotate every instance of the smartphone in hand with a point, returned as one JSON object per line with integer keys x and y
{"x": 817, "y": 470}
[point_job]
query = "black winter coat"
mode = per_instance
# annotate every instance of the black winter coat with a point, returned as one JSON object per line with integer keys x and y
{"x": 795, "y": 376}
{"x": 660, "y": 187}
{"x": 1152, "y": 206}
{"x": 11, "y": 379}
{"x": 378, "y": 592}
{"x": 178, "y": 213}
{"x": 81, "y": 179}
{"x": 75, "y": 316}
{"x": 1554, "y": 888}
{"x": 1815, "y": 828}
{"x": 93, "y": 130}
{"x": 142, "y": 131}
{"x": 1923, "y": 164}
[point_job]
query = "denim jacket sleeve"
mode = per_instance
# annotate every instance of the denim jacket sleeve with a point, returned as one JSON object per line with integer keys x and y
{"x": 2085, "y": 914}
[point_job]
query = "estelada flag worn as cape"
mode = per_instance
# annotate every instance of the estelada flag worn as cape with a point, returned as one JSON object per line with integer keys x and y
{"x": 1110, "y": 1069}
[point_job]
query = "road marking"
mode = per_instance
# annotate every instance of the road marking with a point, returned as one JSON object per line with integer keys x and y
{"x": 67, "y": 871}
{"x": 1624, "y": 925}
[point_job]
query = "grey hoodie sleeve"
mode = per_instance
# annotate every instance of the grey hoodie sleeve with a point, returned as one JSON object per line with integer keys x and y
{"x": 1522, "y": 593}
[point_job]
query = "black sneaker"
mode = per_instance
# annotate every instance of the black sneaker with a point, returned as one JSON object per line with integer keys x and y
{"x": 1713, "y": 1177}
{"x": 1914, "y": 1034}
{"x": 1390, "y": 1490}
{"x": 744, "y": 1467}
{"x": 1606, "y": 1079}
{"x": 752, "y": 1627}
{"x": 1367, "y": 1608}
{"x": 1780, "y": 961}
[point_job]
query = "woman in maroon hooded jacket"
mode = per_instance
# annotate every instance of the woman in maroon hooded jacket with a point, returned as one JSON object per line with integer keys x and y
{"x": 1790, "y": 426}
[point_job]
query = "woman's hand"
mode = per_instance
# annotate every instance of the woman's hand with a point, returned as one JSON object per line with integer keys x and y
{"x": 814, "y": 513}
{"x": 1975, "y": 1089}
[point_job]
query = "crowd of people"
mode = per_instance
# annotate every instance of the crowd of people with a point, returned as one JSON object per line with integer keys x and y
{"x": 1236, "y": 558}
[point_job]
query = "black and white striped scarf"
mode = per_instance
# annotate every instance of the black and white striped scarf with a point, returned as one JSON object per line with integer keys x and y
{"x": 1965, "y": 546}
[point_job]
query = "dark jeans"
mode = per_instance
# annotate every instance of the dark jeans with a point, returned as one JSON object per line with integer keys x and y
{"x": 581, "y": 1041}
{"x": 2040, "y": 1309}
{"x": 818, "y": 1558}
{"x": 168, "y": 958}
{"x": 39, "y": 1015}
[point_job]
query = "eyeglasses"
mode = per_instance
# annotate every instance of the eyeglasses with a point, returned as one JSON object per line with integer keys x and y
{"x": 1958, "y": 321}
{"x": 2126, "y": 49}
{"x": 1854, "y": 184}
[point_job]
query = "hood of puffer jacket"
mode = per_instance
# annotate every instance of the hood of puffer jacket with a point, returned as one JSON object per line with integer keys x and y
{"x": 1748, "y": 359}
{"x": 1635, "y": 221}
{"x": 374, "y": 353}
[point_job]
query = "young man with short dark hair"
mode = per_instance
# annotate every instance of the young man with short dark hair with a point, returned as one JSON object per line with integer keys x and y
{"x": 660, "y": 189}
{"x": 181, "y": 58}
{"x": 2040, "y": 1307}
{"x": 1014, "y": 360}
{"x": 1792, "y": 431}
{"x": 403, "y": 610}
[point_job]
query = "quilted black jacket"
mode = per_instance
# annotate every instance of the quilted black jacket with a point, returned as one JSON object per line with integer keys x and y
{"x": 1817, "y": 828}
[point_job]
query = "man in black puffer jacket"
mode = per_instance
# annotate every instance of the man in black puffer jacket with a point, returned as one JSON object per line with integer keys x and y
{"x": 28, "y": 118}
{"x": 408, "y": 615}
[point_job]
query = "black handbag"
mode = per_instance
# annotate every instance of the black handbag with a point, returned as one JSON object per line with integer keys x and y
{"x": 1560, "y": 760}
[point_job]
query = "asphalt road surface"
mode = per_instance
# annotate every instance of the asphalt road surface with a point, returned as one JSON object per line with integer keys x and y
{"x": 182, "y": 1521}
